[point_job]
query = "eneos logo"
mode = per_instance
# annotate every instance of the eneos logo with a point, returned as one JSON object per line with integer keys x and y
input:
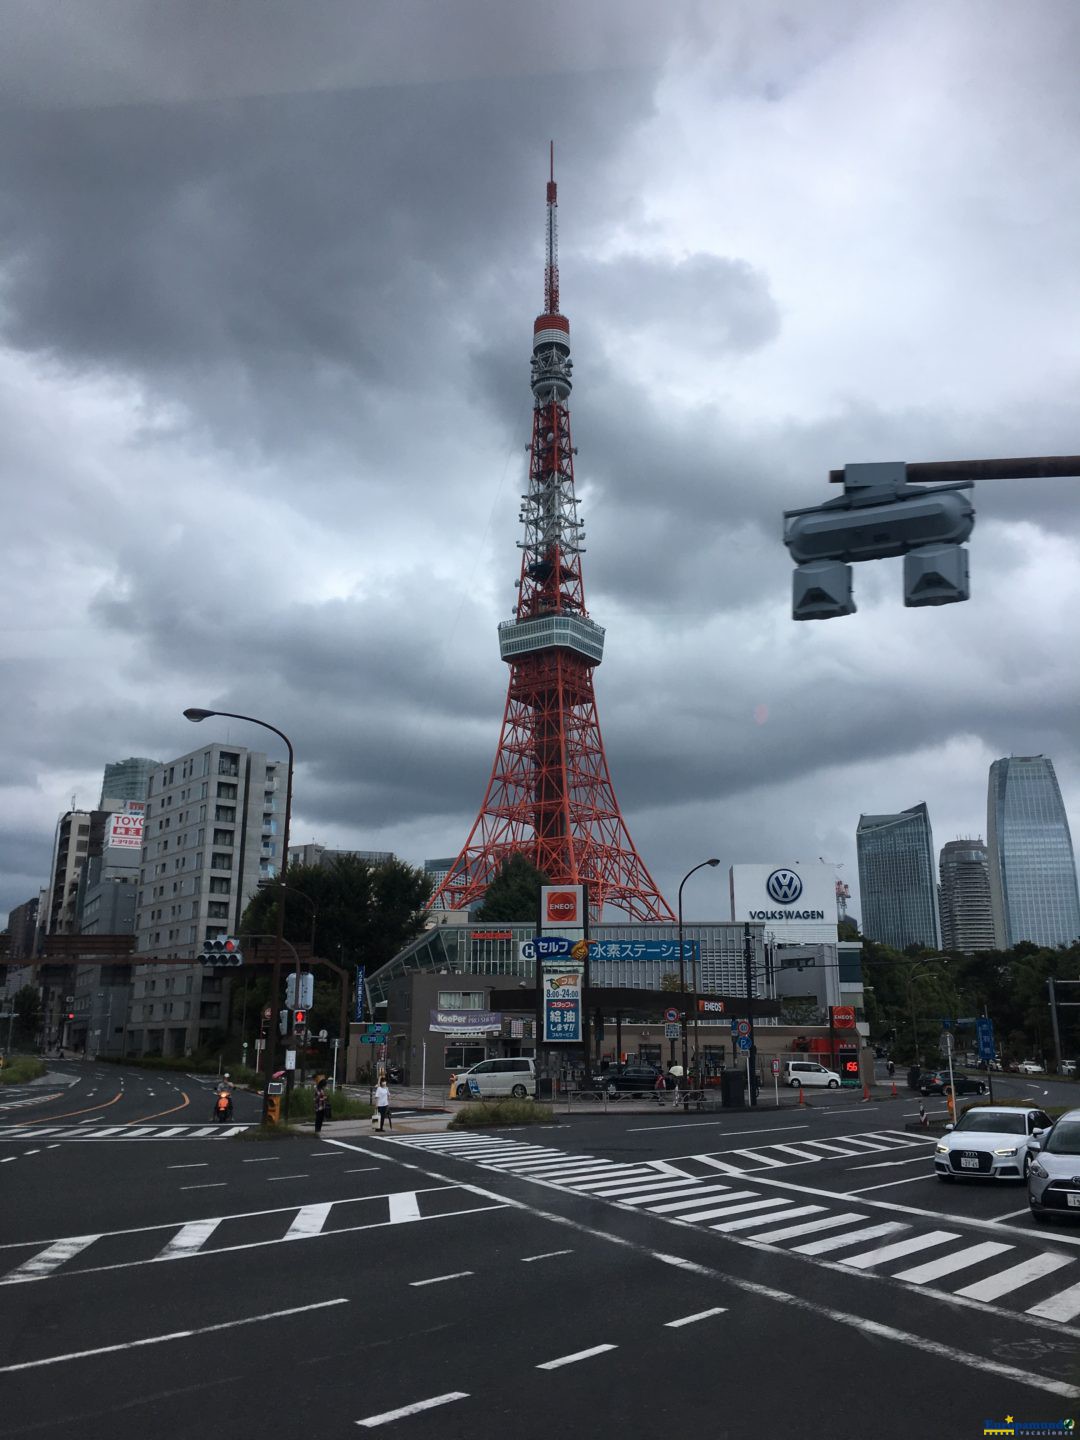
{"x": 561, "y": 905}
{"x": 784, "y": 886}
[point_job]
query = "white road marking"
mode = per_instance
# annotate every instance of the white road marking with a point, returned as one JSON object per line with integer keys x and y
{"x": 1065, "y": 1305}
{"x": 887, "y": 1164}
{"x": 403, "y": 1207}
{"x": 271, "y": 1178}
{"x": 898, "y": 1249}
{"x": 840, "y": 1317}
{"x": 188, "y": 1240}
{"x": 260, "y": 1160}
{"x": 689, "y": 1319}
{"x": 723, "y": 1210}
{"x": 949, "y": 1264}
{"x": 791, "y": 1150}
{"x": 208, "y": 1185}
{"x": 697, "y": 1191}
{"x": 752, "y": 1221}
{"x": 161, "y": 1339}
{"x": 438, "y": 1279}
{"x": 695, "y": 1198}
{"x": 837, "y": 1242}
{"x": 888, "y": 1184}
{"x": 547, "y": 1255}
{"x": 49, "y": 1259}
{"x": 714, "y": 1124}
{"x": 735, "y": 1209}
{"x": 310, "y": 1220}
{"x": 660, "y": 1188}
{"x": 1012, "y": 1215}
{"x": 790, "y": 1232}
{"x": 1005, "y": 1281}
{"x": 7, "y": 1158}
{"x": 193, "y": 1165}
{"x": 578, "y": 1355}
{"x": 364, "y": 1170}
{"x": 388, "y": 1415}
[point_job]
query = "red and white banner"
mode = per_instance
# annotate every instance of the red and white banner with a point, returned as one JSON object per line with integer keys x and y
{"x": 125, "y": 827}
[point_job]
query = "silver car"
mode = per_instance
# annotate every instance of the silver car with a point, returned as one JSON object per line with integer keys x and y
{"x": 994, "y": 1141}
{"x": 1054, "y": 1177}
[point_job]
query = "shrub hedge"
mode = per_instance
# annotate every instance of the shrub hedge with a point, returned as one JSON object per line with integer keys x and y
{"x": 501, "y": 1112}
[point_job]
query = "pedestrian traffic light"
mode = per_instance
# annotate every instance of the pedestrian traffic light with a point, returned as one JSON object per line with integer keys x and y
{"x": 880, "y": 515}
{"x": 283, "y": 1022}
{"x": 307, "y": 990}
{"x": 300, "y": 1018}
{"x": 225, "y": 950}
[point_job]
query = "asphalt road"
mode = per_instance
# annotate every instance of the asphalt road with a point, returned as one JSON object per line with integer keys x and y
{"x": 754, "y": 1273}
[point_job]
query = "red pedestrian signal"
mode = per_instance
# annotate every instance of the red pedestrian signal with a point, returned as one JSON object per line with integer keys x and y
{"x": 300, "y": 1018}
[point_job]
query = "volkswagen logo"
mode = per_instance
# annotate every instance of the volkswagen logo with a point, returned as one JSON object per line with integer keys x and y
{"x": 784, "y": 886}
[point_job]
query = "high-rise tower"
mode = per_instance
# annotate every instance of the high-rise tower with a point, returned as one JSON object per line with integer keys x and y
{"x": 896, "y": 879}
{"x": 1032, "y": 867}
{"x": 550, "y": 796}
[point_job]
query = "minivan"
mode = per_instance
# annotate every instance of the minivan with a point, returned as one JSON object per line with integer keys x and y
{"x": 515, "y": 1076}
{"x": 808, "y": 1072}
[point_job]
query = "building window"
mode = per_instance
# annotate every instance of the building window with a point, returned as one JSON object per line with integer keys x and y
{"x": 461, "y": 1000}
{"x": 228, "y": 763}
{"x": 219, "y": 860}
{"x": 217, "y": 909}
{"x": 460, "y": 1057}
{"x": 219, "y": 885}
{"x": 226, "y": 790}
{"x": 221, "y": 837}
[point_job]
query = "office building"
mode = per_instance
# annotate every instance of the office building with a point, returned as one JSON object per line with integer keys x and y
{"x": 1033, "y": 887}
{"x": 898, "y": 880}
{"x": 967, "y": 919}
{"x": 126, "y": 780}
{"x": 22, "y": 928}
{"x": 319, "y": 855}
{"x": 213, "y": 820}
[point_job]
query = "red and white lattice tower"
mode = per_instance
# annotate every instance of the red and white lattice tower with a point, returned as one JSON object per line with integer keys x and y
{"x": 550, "y": 796}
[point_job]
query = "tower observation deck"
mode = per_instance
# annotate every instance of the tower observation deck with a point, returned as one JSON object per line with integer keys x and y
{"x": 550, "y": 796}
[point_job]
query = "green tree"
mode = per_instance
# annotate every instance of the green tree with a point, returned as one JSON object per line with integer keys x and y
{"x": 514, "y": 894}
{"x": 670, "y": 981}
{"x": 353, "y": 912}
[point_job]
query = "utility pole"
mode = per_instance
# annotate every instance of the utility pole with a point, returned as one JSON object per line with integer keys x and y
{"x": 1054, "y": 1023}
{"x": 748, "y": 962}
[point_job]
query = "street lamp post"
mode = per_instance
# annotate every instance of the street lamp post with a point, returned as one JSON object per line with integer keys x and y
{"x": 682, "y": 978}
{"x": 197, "y": 715}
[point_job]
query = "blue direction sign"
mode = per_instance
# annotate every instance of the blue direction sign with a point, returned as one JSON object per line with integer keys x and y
{"x": 984, "y": 1030}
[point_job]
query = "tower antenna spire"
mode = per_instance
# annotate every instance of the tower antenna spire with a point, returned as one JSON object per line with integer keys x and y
{"x": 551, "y": 267}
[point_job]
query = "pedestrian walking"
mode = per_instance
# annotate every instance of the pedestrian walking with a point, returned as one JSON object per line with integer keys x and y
{"x": 891, "y": 1068}
{"x": 382, "y": 1104}
{"x": 660, "y": 1086}
{"x": 322, "y": 1103}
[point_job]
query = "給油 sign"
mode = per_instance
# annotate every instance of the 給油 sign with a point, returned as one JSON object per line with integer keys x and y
{"x": 562, "y": 983}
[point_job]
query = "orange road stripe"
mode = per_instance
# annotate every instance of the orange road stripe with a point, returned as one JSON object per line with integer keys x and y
{"x": 158, "y": 1114}
{"x": 48, "y": 1119}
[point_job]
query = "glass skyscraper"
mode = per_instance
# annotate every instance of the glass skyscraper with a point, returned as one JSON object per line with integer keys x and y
{"x": 898, "y": 879}
{"x": 1032, "y": 869}
{"x": 967, "y": 918}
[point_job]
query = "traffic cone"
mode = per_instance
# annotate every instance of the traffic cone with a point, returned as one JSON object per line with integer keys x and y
{"x": 865, "y": 1091}
{"x": 802, "y": 1096}
{"x": 894, "y": 1090}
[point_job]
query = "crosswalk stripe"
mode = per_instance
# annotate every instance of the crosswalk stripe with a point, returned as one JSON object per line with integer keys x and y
{"x": 637, "y": 1187}
{"x": 49, "y": 1259}
{"x": 837, "y": 1242}
{"x": 949, "y": 1264}
{"x": 726, "y": 1210}
{"x": 310, "y": 1220}
{"x": 1065, "y": 1305}
{"x": 599, "y": 1186}
{"x": 189, "y": 1240}
{"x": 899, "y": 1248}
{"x": 863, "y": 1144}
{"x": 750, "y": 1222}
{"x": 565, "y": 1167}
{"x": 791, "y": 1232}
{"x": 794, "y": 1150}
{"x": 758, "y": 1155}
{"x": 722, "y": 1165}
{"x": 670, "y": 1206}
{"x": 895, "y": 1139}
{"x": 727, "y": 1207}
{"x": 404, "y": 1207}
{"x": 828, "y": 1146}
{"x": 1006, "y": 1281}
{"x": 139, "y": 1130}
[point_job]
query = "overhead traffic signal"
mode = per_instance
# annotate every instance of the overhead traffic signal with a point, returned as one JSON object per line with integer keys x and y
{"x": 225, "y": 950}
{"x": 880, "y": 515}
{"x": 307, "y": 990}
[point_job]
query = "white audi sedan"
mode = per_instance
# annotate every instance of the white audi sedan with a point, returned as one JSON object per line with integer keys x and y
{"x": 994, "y": 1141}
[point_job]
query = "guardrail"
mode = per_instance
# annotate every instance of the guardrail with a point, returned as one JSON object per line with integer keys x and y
{"x": 677, "y": 1099}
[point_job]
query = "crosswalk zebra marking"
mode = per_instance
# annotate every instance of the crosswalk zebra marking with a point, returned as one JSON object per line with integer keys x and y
{"x": 49, "y": 1259}
{"x": 949, "y": 1264}
{"x": 1005, "y": 1281}
{"x": 896, "y": 1251}
{"x": 838, "y": 1242}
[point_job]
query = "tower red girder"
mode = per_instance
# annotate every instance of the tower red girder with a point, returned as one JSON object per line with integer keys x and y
{"x": 550, "y": 796}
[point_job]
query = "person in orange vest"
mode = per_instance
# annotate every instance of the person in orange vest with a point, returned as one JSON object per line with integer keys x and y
{"x": 950, "y": 1103}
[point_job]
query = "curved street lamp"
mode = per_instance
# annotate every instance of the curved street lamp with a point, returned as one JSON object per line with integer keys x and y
{"x": 196, "y": 715}
{"x": 682, "y": 975}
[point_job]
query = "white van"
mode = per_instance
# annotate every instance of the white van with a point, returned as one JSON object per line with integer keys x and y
{"x": 808, "y": 1072}
{"x": 516, "y": 1077}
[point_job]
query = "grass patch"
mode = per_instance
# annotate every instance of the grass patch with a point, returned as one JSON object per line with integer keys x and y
{"x": 21, "y": 1069}
{"x": 502, "y": 1112}
{"x": 269, "y": 1132}
{"x": 342, "y": 1106}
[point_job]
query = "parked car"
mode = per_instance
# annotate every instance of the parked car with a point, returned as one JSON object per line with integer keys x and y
{"x": 635, "y": 1079}
{"x": 1054, "y": 1174}
{"x": 514, "y": 1076}
{"x": 808, "y": 1072}
{"x": 995, "y": 1141}
{"x": 1029, "y": 1067}
{"x": 937, "y": 1084}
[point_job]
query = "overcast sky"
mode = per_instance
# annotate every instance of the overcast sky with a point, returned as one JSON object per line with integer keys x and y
{"x": 268, "y": 273}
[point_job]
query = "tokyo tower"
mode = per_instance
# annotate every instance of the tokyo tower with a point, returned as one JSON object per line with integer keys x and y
{"x": 550, "y": 796}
